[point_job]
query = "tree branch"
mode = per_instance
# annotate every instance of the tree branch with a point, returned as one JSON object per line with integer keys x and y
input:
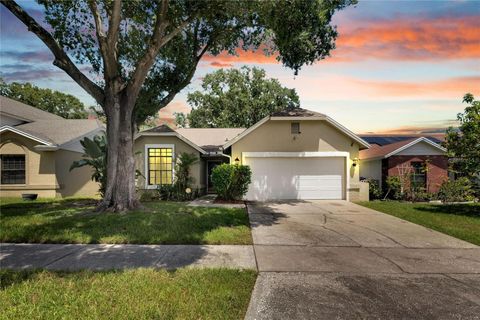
{"x": 114, "y": 25}
{"x": 61, "y": 58}
{"x": 169, "y": 97}
{"x": 107, "y": 45}
{"x": 159, "y": 39}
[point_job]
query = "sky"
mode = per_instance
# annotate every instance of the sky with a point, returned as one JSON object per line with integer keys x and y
{"x": 398, "y": 66}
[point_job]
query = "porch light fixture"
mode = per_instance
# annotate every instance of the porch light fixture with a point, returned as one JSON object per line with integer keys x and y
{"x": 355, "y": 162}
{"x": 237, "y": 161}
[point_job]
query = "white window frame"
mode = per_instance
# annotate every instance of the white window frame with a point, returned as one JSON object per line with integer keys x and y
{"x": 146, "y": 172}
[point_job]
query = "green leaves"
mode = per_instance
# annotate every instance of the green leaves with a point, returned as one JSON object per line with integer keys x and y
{"x": 61, "y": 104}
{"x": 463, "y": 143}
{"x": 95, "y": 156}
{"x": 231, "y": 181}
{"x": 238, "y": 98}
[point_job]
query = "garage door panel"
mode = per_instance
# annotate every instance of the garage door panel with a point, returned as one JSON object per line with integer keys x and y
{"x": 296, "y": 178}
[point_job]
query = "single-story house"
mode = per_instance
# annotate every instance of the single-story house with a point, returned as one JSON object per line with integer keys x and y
{"x": 37, "y": 149}
{"x": 293, "y": 154}
{"x": 422, "y": 158}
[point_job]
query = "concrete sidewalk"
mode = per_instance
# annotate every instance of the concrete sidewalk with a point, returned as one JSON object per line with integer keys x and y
{"x": 122, "y": 256}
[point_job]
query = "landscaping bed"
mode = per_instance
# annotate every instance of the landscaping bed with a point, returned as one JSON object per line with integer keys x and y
{"x": 458, "y": 220}
{"x": 74, "y": 221}
{"x": 131, "y": 294}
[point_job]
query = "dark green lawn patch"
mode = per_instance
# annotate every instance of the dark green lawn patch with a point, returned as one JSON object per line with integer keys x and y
{"x": 74, "y": 221}
{"x": 131, "y": 294}
{"x": 459, "y": 220}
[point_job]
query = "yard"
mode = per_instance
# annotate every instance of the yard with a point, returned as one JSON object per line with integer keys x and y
{"x": 74, "y": 221}
{"x": 131, "y": 294}
{"x": 458, "y": 220}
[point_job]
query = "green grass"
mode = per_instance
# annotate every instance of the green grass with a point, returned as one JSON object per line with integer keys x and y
{"x": 131, "y": 294}
{"x": 74, "y": 221}
{"x": 458, "y": 220}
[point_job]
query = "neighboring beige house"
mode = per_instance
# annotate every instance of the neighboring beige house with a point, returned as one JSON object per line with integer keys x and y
{"x": 37, "y": 149}
{"x": 295, "y": 154}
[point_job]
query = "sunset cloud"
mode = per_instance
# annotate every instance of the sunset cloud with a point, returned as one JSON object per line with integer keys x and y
{"x": 332, "y": 87}
{"x": 174, "y": 107}
{"x": 410, "y": 39}
{"x": 404, "y": 39}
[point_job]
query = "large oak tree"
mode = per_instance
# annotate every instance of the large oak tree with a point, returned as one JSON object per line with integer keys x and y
{"x": 144, "y": 52}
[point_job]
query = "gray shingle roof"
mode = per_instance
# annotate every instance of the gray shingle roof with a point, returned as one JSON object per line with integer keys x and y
{"x": 210, "y": 139}
{"x": 161, "y": 128}
{"x": 297, "y": 112}
{"x": 60, "y": 131}
{"x": 21, "y": 110}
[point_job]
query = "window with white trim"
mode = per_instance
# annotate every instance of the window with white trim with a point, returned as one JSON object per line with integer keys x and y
{"x": 160, "y": 166}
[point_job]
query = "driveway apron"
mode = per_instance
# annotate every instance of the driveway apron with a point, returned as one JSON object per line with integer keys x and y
{"x": 336, "y": 259}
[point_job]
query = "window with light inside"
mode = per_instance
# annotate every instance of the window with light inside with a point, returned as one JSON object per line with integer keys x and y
{"x": 160, "y": 166}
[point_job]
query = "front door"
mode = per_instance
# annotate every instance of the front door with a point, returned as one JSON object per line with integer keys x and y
{"x": 210, "y": 166}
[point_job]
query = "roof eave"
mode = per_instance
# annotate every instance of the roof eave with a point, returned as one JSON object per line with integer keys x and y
{"x": 26, "y": 135}
{"x": 171, "y": 134}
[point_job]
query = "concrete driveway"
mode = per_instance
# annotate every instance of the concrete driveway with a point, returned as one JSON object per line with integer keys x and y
{"x": 336, "y": 259}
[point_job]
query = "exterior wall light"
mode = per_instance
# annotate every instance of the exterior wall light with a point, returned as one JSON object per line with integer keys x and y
{"x": 237, "y": 161}
{"x": 355, "y": 162}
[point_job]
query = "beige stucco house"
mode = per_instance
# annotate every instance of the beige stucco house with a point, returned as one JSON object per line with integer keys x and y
{"x": 294, "y": 154}
{"x": 37, "y": 149}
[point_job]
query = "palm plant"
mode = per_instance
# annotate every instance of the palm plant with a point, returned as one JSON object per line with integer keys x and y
{"x": 182, "y": 170}
{"x": 95, "y": 156}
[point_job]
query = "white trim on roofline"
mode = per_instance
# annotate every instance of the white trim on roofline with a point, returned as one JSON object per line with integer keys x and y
{"x": 325, "y": 118}
{"x": 25, "y": 134}
{"x": 414, "y": 142}
{"x": 172, "y": 134}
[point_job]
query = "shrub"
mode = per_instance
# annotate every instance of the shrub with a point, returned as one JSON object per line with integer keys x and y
{"x": 148, "y": 195}
{"x": 373, "y": 189}
{"x": 456, "y": 191}
{"x": 394, "y": 188}
{"x": 181, "y": 189}
{"x": 231, "y": 181}
{"x": 420, "y": 194}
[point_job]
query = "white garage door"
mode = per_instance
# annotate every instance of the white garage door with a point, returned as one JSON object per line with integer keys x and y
{"x": 296, "y": 178}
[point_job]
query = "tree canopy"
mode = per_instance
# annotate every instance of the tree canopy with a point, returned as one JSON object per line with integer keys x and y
{"x": 142, "y": 53}
{"x": 56, "y": 102}
{"x": 237, "y": 98}
{"x": 463, "y": 143}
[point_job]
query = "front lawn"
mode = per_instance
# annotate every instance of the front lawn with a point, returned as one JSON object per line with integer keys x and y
{"x": 458, "y": 220}
{"x": 131, "y": 294}
{"x": 73, "y": 221}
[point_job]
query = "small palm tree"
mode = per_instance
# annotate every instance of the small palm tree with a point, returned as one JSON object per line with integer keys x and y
{"x": 183, "y": 180}
{"x": 95, "y": 156}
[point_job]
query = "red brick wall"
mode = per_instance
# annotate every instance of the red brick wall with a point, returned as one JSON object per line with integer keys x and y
{"x": 438, "y": 168}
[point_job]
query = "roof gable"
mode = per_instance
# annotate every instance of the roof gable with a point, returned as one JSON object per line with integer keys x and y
{"x": 165, "y": 130}
{"x": 24, "y": 112}
{"x": 300, "y": 114}
{"x": 382, "y": 152}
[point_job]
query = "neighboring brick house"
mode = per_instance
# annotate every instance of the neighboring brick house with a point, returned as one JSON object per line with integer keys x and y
{"x": 424, "y": 159}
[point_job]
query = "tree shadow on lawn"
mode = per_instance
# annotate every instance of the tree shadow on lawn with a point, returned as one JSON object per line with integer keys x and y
{"x": 161, "y": 223}
{"x": 467, "y": 210}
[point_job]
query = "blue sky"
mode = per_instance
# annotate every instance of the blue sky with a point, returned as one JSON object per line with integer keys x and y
{"x": 399, "y": 66}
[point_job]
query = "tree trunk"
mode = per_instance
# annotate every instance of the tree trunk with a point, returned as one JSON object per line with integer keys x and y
{"x": 120, "y": 192}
